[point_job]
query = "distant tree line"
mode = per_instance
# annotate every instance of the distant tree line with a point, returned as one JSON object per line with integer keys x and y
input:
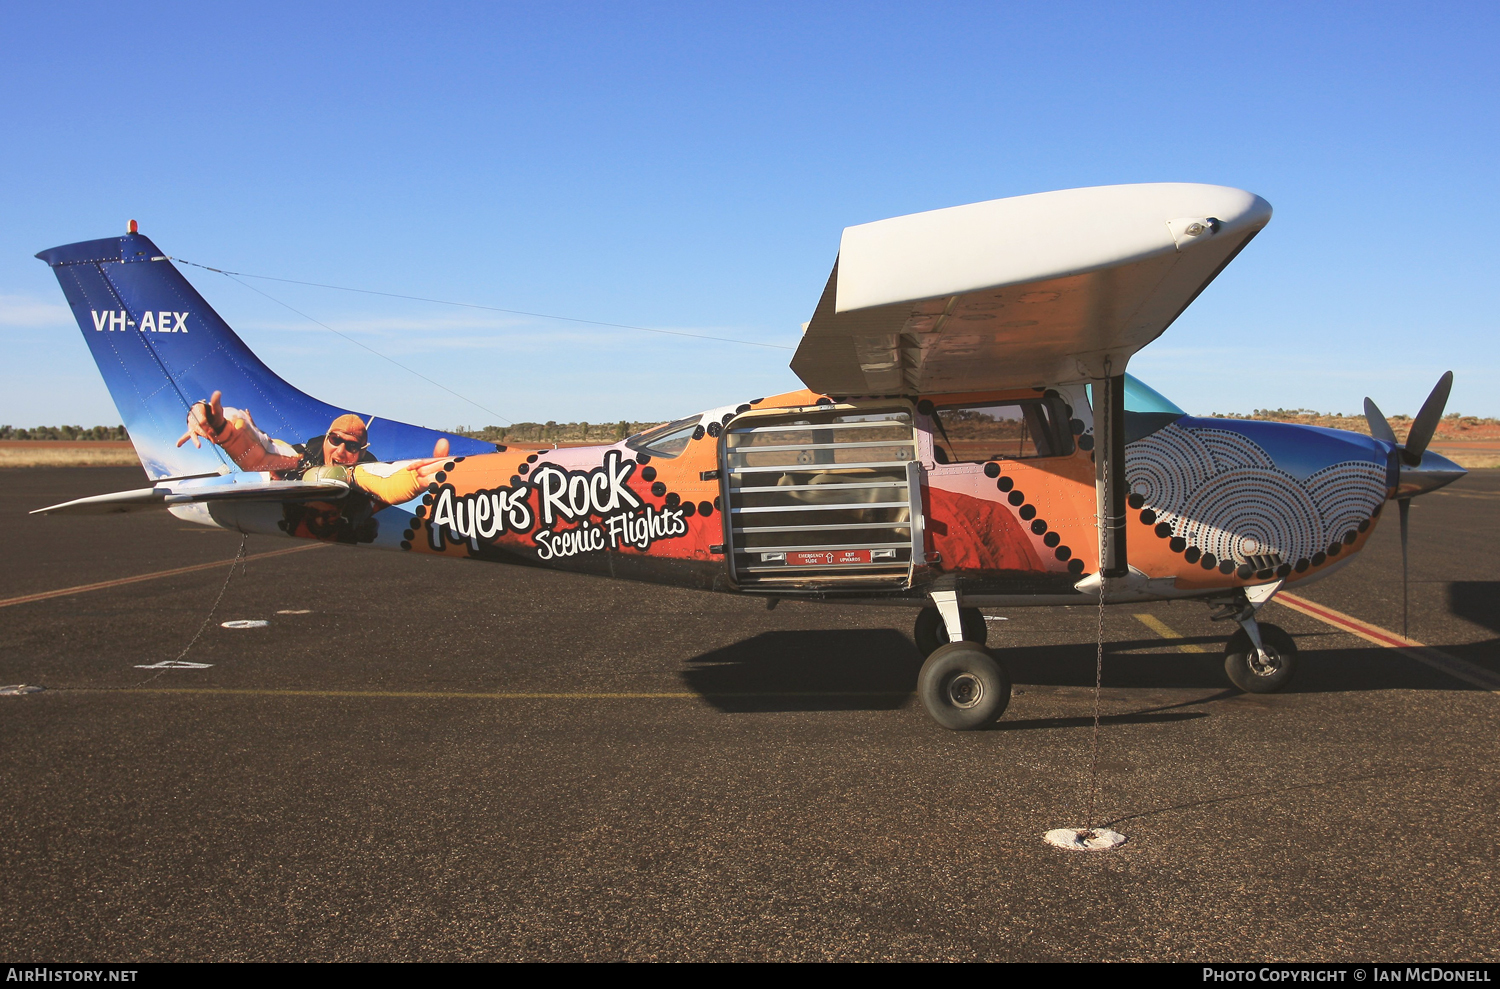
{"x": 556, "y": 432}
{"x": 70, "y": 433}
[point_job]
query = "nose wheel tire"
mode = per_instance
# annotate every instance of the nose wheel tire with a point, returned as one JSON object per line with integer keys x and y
{"x": 1246, "y": 669}
{"x": 931, "y": 631}
{"x": 963, "y": 686}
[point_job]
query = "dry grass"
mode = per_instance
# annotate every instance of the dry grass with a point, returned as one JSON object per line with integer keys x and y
{"x": 81, "y": 455}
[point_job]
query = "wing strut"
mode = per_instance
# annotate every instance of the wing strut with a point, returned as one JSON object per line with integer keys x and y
{"x": 1109, "y": 473}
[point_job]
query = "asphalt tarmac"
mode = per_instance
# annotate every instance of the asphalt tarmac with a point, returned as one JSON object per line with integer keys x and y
{"x": 423, "y": 759}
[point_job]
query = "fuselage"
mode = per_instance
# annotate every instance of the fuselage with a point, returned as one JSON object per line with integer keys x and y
{"x": 890, "y": 498}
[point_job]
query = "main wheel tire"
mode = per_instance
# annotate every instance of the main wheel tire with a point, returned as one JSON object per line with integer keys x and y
{"x": 1247, "y": 671}
{"x": 931, "y": 631}
{"x": 963, "y": 686}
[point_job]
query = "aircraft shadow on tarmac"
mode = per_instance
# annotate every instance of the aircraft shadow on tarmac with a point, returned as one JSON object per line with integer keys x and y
{"x": 1475, "y": 601}
{"x": 876, "y": 669}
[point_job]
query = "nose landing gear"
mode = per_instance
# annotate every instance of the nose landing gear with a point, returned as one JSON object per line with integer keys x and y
{"x": 1260, "y": 658}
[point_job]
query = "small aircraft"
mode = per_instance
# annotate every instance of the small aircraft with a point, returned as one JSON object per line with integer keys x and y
{"x": 968, "y": 439}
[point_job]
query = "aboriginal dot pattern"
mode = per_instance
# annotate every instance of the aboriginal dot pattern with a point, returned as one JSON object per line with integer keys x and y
{"x": 1220, "y": 501}
{"x": 1028, "y": 513}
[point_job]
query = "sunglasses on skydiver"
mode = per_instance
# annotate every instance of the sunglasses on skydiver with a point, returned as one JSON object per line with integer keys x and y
{"x": 354, "y": 446}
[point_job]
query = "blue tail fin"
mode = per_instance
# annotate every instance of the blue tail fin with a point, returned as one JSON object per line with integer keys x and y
{"x": 161, "y": 347}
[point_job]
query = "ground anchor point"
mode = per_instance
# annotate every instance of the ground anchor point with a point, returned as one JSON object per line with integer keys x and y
{"x": 1085, "y": 840}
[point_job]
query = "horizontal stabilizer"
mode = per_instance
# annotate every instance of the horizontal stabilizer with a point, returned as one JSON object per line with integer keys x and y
{"x": 1032, "y": 291}
{"x": 148, "y": 499}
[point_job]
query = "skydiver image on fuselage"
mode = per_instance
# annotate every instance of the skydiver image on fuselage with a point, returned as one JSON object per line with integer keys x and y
{"x": 342, "y": 453}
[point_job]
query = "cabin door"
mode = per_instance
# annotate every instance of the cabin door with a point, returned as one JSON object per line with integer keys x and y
{"x": 822, "y": 498}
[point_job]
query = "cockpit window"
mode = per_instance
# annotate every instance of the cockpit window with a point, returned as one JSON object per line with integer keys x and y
{"x": 665, "y": 441}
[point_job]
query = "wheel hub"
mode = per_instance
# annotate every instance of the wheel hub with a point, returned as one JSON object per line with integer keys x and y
{"x": 1267, "y": 667}
{"x": 965, "y": 690}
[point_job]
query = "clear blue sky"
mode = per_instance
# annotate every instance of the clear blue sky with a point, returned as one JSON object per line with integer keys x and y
{"x": 690, "y": 166}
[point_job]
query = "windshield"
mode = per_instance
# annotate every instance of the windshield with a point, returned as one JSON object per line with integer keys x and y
{"x": 665, "y": 441}
{"x": 1146, "y": 409}
{"x": 1141, "y": 397}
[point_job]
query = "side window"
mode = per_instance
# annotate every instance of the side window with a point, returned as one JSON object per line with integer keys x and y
{"x": 1014, "y": 430}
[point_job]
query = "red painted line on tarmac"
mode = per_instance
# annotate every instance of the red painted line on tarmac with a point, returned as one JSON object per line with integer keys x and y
{"x": 83, "y": 588}
{"x": 1437, "y": 659}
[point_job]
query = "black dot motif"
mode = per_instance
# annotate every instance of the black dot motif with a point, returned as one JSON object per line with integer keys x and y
{"x": 1015, "y": 497}
{"x": 992, "y": 469}
{"x": 1039, "y": 527}
{"x": 432, "y": 489}
{"x": 1005, "y": 483}
{"x": 515, "y": 481}
{"x": 756, "y": 401}
{"x": 1334, "y": 548}
{"x": 714, "y": 429}
{"x": 1148, "y": 516}
{"x": 688, "y": 509}
{"x": 459, "y": 460}
{"x": 1349, "y": 537}
{"x": 524, "y": 469}
{"x": 673, "y": 499}
{"x": 1063, "y": 553}
{"x": 1163, "y": 530}
{"x": 405, "y": 544}
{"x": 705, "y": 508}
{"x": 406, "y": 534}
{"x": 1318, "y": 559}
{"x": 726, "y": 417}
{"x": 1226, "y": 567}
{"x": 1264, "y": 574}
{"x": 643, "y": 458}
{"x": 1302, "y": 565}
{"x": 825, "y": 400}
{"x": 1051, "y": 539}
{"x": 1191, "y": 554}
{"x": 1283, "y": 570}
{"x": 1027, "y": 513}
{"x": 1076, "y": 426}
{"x": 449, "y": 465}
{"x": 531, "y": 459}
{"x": 658, "y": 489}
{"x": 925, "y": 407}
{"x": 1085, "y": 442}
{"x": 718, "y": 507}
{"x": 1178, "y": 544}
{"x": 698, "y": 433}
{"x": 1207, "y": 563}
{"x": 742, "y": 409}
{"x": 1075, "y": 566}
{"x": 427, "y": 499}
{"x": 421, "y": 510}
{"x": 1136, "y": 500}
{"x": 648, "y": 473}
{"x": 441, "y": 475}
{"x": 1246, "y": 572}
{"x": 1364, "y": 526}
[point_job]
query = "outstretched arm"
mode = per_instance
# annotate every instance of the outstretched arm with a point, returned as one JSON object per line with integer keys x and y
{"x": 396, "y": 484}
{"x": 235, "y": 433}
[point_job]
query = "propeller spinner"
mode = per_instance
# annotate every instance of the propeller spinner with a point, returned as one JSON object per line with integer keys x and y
{"x": 1415, "y": 469}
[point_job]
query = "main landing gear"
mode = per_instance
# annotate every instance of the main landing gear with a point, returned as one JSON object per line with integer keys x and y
{"x": 1260, "y": 658}
{"x": 962, "y": 685}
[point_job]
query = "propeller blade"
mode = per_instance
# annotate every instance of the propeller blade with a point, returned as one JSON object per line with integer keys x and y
{"x": 1405, "y": 505}
{"x": 1379, "y": 427}
{"x": 1426, "y": 422}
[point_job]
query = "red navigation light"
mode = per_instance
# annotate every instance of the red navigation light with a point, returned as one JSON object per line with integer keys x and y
{"x": 131, "y": 227}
